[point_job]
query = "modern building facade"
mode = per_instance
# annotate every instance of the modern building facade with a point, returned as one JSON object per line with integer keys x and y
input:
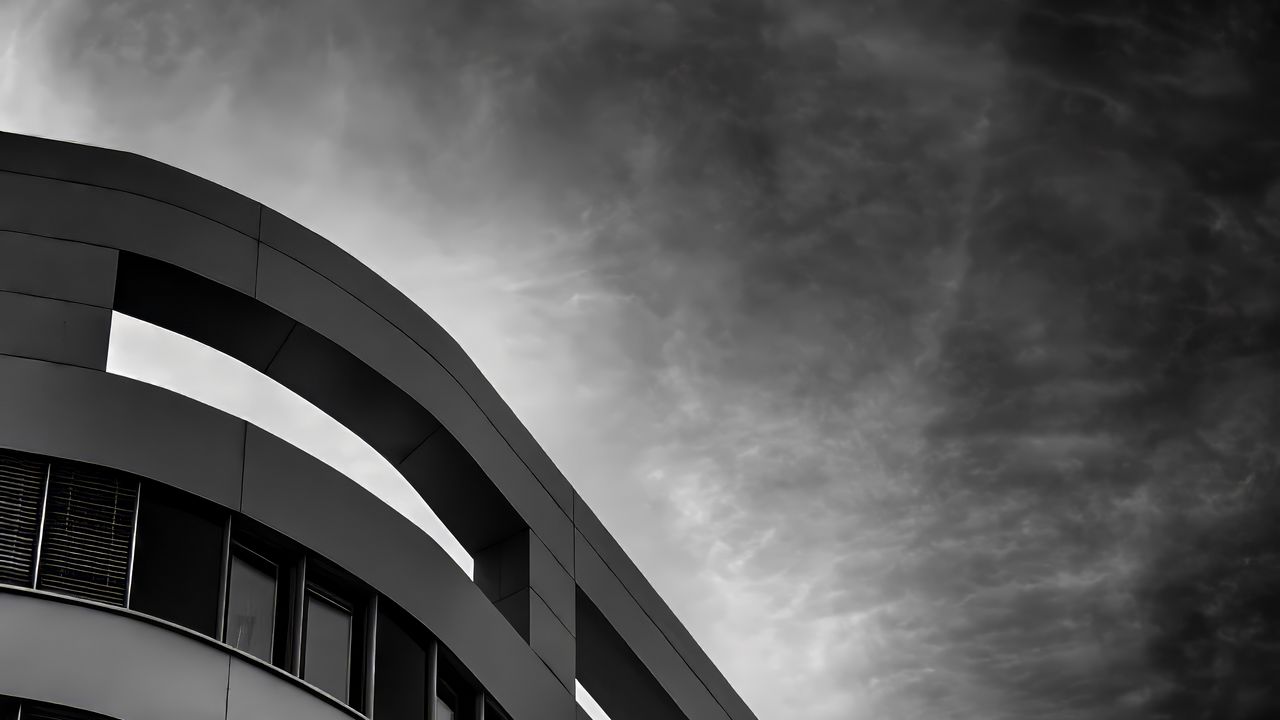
{"x": 161, "y": 559}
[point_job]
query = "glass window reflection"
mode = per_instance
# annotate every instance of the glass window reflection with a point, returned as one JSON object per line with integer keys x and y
{"x": 327, "y": 653}
{"x": 251, "y": 605}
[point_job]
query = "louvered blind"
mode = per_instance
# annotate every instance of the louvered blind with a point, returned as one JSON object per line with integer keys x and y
{"x": 88, "y": 531}
{"x": 21, "y": 487}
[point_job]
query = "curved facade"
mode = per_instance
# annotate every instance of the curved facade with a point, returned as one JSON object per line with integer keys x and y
{"x": 161, "y": 559}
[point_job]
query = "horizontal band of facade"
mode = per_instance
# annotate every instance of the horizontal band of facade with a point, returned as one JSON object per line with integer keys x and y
{"x": 121, "y": 664}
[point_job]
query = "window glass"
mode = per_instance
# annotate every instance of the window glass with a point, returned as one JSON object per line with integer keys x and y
{"x": 327, "y": 650}
{"x": 400, "y": 693}
{"x": 443, "y": 710}
{"x": 251, "y": 605}
{"x": 177, "y": 565}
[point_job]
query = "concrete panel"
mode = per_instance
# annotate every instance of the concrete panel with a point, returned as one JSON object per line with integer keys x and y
{"x": 255, "y": 693}
{"x": 107, "y": 662}
{"x": 343, "y": 270}
{"x": 127, "y": 222}
{"x": 349, "y": 526}
{"x": 658, "y": 611}
{"x": 628, "y": 619}
{"x": 54, "y": 330}
{"x": 109, "y": 420}
{"x": 57, "y": 269}
{"x": 317, "y": 303}
{"x": 131, "y": 173}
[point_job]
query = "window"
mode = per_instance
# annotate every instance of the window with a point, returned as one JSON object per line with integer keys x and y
{"x": 88, "y": 533}
{"x": 22, "y": 480}
{"x": 401, "y": 691}
{"x": 326, "y": 659}
{"x": 178, "y": 558}
{"x": 446, "y": 702}
{"x": 252, "y": 594}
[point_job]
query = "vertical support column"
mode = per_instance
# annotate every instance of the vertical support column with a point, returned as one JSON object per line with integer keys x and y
{"x": 536, "y": 595}
{"x": 299, "y": 618}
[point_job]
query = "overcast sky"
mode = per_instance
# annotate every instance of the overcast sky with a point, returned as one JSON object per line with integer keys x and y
{"x": 922, "y": 354}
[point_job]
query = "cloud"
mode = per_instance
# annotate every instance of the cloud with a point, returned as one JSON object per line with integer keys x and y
{"x": 921, "y": 364}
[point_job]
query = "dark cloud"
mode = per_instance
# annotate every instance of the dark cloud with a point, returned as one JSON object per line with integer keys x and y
{"x": 937, "y": 341}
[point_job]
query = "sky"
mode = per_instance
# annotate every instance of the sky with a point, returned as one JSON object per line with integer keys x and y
{"x": 923, "y": 355}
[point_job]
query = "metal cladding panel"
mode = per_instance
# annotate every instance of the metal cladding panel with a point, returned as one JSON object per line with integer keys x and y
{"x": 332, "y": 312}
{"x": 657, "y": 610}
{"x": 349, "y": 526}
{"x": 54, "y": 330}
{"x": 57, "y": 269}
{"x": 255, "y": 693}
{"x": 343, "y": 270}
{"x": 106, "y": 662}
{"x": 552, "y": 582}
{"x": 131, "y": 173}
{"x": 120, "y": 220}
{"x": 603, "y": 589}
{"x": 108, "y": 420}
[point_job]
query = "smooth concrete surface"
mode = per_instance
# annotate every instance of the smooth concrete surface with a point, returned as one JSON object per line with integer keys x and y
{"x": 107, "y": 662}
{"x": 54, "y": 330}
{"x": 169, "y": 224}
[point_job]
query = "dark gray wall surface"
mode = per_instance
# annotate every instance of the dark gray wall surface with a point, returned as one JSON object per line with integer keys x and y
{"x": 105, "y": 419}
{"x": 57, "y": 330}
{"x": 291, "y": 283}
{"x": 62, "y": 270}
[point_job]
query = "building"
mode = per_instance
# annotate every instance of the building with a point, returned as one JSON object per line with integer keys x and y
{"x": 163, "y": 559}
